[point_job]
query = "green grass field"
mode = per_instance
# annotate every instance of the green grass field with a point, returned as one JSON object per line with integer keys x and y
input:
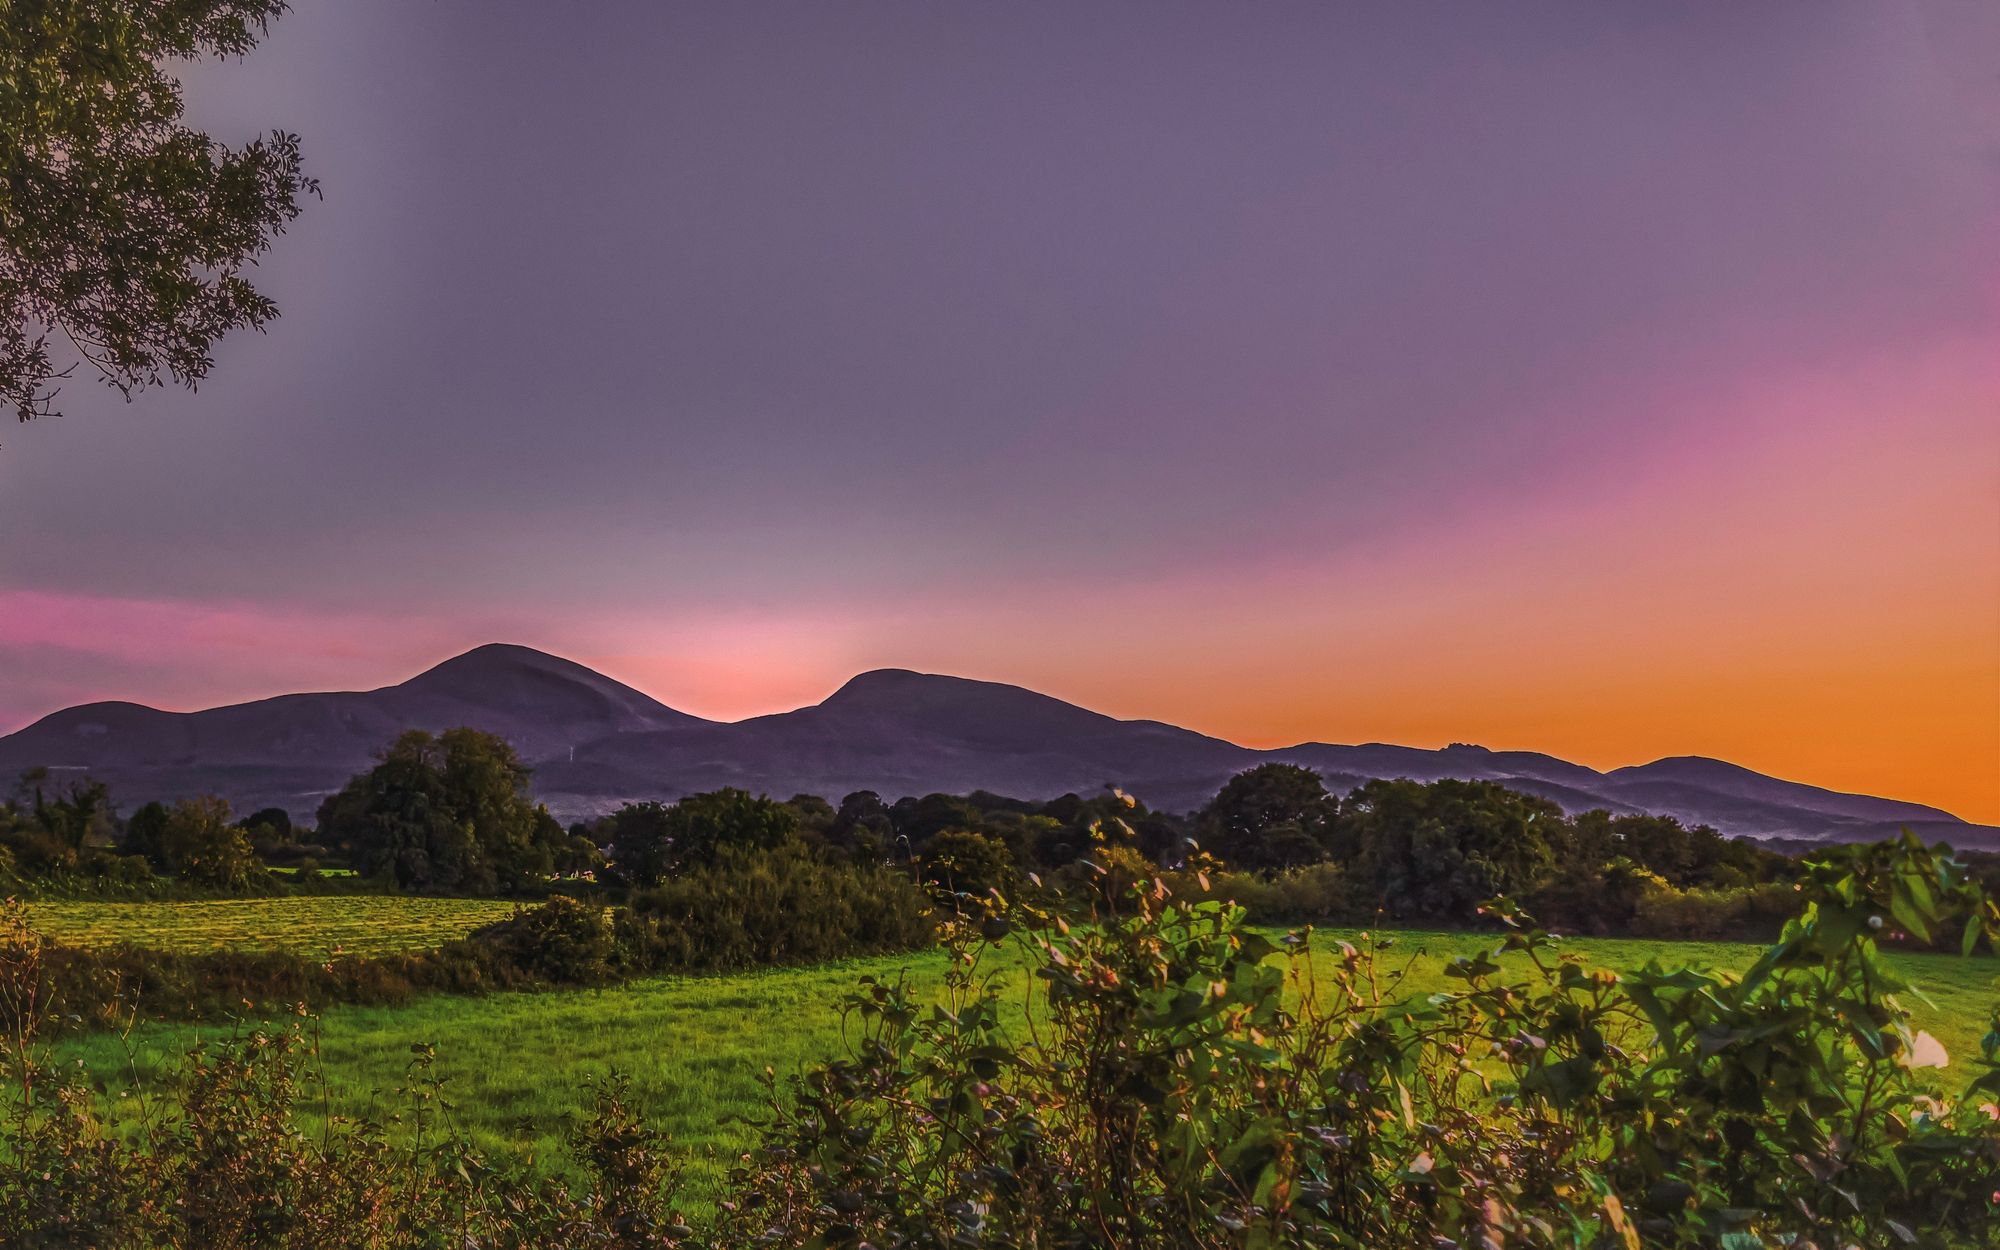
{"x": 313, "y": 925}
{"x": 517, "y": 1066}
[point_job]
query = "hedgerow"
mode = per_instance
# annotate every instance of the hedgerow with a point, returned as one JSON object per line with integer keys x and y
{"x": 753, "y": 911}
{"x": 1176, "y": 1095}
{"x": 1162, "y": 1088}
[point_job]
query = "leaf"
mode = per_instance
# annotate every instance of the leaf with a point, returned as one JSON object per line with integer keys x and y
{"x": 1614, "y": 1217}
{"x": 1256, "y": 1147}
{"x": 1908, "y": 913}
{"x": 1562, "y": 1083}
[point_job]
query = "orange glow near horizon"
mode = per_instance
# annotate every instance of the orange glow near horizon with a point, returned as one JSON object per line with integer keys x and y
{"x": 1812, "y": 591}
{"x": 1814, "y": 595}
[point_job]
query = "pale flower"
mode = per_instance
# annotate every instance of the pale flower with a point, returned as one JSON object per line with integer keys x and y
{"x": 1925, "y": 1052}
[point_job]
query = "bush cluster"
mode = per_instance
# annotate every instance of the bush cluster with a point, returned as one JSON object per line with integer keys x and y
{"x": 772, "y": 908}
{"x": 781, "y": 907}
{"x": 1745, "y": 911}
{"x": 228, "y": 1163}
{"x": 1188, "y": 1083}
{"x": 1178, "y": 1096}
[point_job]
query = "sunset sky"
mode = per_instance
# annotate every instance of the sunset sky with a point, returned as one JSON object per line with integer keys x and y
{"x": 1613, "y": 380}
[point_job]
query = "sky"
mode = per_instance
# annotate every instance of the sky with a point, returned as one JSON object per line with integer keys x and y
{"x": 1615, "y": 380}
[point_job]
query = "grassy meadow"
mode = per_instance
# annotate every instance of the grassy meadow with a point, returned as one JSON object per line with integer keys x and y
{"x": 316, "y": 926}
{"x": 516, "y": 1066}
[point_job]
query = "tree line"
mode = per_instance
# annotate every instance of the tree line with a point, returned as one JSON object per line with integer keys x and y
{"x": 1172, "y": 1092}
{"x": 454, "y": 813}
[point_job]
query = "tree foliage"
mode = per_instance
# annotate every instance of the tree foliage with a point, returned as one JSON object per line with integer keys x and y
{"x": 125, "y": 234}
{"x": 1176, "y": 1091}
{"x": 53, "y": 827}
{"x": 650, "y": 841}
{"x": 1440, "y": 849}
{"x": 1271, "y": 816}
{"x": 447, "y": 812}
{"x": 967, "y": 866}
{"x": 198, "y": 843}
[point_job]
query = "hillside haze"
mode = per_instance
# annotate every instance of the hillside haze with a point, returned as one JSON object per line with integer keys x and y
{"x": 596, "y": 742}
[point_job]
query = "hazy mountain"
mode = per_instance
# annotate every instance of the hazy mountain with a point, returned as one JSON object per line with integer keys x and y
{"x": 1700, "y": 777}
{"x": 596, "y": 743}
{"x": 898, "y": 732}
{"x": 290, "y": 750}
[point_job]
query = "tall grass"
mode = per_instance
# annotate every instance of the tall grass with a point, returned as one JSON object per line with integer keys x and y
{"x": 518, "y": 1066}
{"x": 315, "y": 926}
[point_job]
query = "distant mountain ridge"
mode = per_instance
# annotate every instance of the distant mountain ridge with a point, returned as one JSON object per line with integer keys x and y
{"x": 596, "y": 742}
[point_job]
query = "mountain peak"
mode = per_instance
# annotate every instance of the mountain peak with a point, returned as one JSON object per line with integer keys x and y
{"x": 882, "y": 678}
{"x": 897, "y": 684}
{"x": 1722, "y": 777}
{"x": 1689, "y": 768}
{"x": 495, "y": 657}
{"x": 536, "y": 685}
{"x": 905, "y": 689}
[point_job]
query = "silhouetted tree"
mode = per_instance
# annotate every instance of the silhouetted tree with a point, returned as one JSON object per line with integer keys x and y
{"x": 446, "y": 812}
{"x": 920, "y": 819}
{"x": 1272, "y": 816}
{"x": 967, "y": 863}
{"x": 145, "y": 832}
{"x": 48, "y": 824}
{"x": 200, "y": 845}
{"x": 815, "y": 813}
{"x": 1439, "y": 850}
{"x": 76, "y": 813}
{"x": 650, "y": 841}
{"x": 273, "y": 824}
{"x": 860, "y": 828}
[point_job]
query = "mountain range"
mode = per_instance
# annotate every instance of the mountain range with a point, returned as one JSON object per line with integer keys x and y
{"x": 596, "y": 743}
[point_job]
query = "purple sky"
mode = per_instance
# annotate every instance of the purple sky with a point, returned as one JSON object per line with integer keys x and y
{"x": 739, "y": 346}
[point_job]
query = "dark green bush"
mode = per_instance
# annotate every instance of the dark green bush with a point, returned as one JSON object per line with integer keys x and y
{"x": 1314, "y": 894}
{"x": 781, "y": 907}
{"x": 653, "y": 841}
{"x": 963, "y": 868}
{"x": 1176, "y": 1097}
{"x": 1171, "y": 1094}
{"x": 1751, "y": 911}
{"x": 223, "y": 1161}
{"x": 448, "y": 813}
{"x": 565, "y": 941}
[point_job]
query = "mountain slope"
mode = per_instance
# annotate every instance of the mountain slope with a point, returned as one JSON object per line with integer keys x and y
{"x": 595, "y": 743}
{"x": 288, "y": 750}
{"x": 898, "y": 732}
{"x": 1718, "y": 777}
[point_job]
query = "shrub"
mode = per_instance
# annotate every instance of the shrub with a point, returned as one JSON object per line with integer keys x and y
{"x": 224, "y": 1160}
{"x": 1175, "y": 1097}
{"x": 1171, "y": 1094}
{"x": 776, "y": 908}
{"x": 1660, "y": 910}
{"x": 199, "y": 843}
{"x": 564, "y": 941}
{"x": 966, "y": 867}
{"x": 1314, "y": 894}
